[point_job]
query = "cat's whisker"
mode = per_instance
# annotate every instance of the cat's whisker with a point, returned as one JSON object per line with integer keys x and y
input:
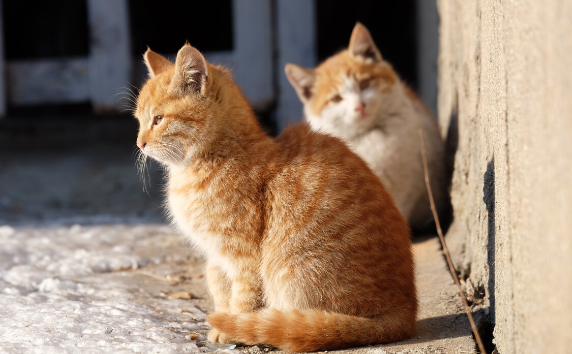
{"x": 165, "y": 154}
{"x": 126, "y": 94}
{"x": 145, "y": 169}
{"x": 127, "y": 101}
{"x": 180, "y": 155}
{"x": 141, "y": 164}
{"x": 178, "y": 149}
{"x": 136, "y": 150}
{"x": 175, "y": 157}
{"x": 131, "y": 93}
{"x": 167, "y": 146}
{"x": 171, "y": 145}
{"x": 169, "y": 155}
{"x": 134, "y": 87}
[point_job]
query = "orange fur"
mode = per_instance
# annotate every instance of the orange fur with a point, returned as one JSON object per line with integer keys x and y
{"x": 305, "y": 249}
{"x": 334, "y": 68}
{"x": 357, "y": 96}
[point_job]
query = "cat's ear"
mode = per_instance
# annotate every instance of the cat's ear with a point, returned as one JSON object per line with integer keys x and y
{"x": 191, "y": 72}
{"x": 302, "y": 80}
{"x": 156, "y": 63}
{"x": 362, "y": 45}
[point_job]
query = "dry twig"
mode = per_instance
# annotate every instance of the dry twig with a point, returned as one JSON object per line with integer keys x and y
{"x": 445, "y": 249}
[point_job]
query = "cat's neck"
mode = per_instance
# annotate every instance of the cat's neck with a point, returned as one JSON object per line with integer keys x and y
{"x": 237, "y": 134}
{"x": 396, "y": 104}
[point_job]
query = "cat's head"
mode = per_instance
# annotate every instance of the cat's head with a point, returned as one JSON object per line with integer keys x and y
{"x": 346, "y": 93}
{"x": 177, "y": 107}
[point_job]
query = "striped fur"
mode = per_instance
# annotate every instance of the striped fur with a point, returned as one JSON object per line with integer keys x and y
{"x": 357, "y": 96}
{"x": 305, "y": 249}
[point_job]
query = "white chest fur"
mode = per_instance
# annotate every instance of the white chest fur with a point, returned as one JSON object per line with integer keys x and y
{"x": 186, "y": 210}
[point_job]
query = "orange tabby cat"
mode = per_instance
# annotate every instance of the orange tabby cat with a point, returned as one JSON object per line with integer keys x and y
{"x": 357, "y": 96}
{"x": 305, "y": 249}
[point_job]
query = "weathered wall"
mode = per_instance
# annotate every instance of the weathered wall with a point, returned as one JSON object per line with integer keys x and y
{"x": 505, "y": 70}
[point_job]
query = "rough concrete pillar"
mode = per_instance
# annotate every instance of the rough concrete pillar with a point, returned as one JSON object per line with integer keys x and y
{"x": 505, "y": 74}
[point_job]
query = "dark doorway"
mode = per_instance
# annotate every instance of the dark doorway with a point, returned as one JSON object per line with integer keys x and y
{"x": 391, "y": 23}
{"x": 166, "y": 26}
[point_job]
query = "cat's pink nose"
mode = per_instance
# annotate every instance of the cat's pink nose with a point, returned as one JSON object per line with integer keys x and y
{"x": 141, "y": 145}
{"x": 361, "y": 108}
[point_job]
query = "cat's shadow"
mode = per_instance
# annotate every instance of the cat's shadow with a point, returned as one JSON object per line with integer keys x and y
{"x": 437, "y": 328}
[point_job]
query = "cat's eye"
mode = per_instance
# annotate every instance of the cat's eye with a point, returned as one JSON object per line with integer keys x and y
{"x": 157, "y": 120}
{"x": 336, "y": 98}
{"x": 364, "y": 84}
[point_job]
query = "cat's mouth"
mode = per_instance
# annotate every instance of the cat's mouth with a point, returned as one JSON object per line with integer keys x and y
{"x": 149, "y": 152}
{"x": 360, "y": 116}
{"x": 362, "y": 113}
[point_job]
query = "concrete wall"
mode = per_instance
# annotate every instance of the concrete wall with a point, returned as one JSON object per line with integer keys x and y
{"x": 505, "y": 70}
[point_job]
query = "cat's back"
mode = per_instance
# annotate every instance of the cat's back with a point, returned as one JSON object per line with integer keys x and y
{"x": 333, "y": 230}
{"x": 322, "y": 159}
{"x": 322, "y": 175}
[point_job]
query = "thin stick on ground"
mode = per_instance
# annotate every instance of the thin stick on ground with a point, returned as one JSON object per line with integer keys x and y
{"x": 445, "y": 249}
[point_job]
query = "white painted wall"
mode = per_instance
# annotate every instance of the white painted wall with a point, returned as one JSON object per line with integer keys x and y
{"x": 296, "y": 43}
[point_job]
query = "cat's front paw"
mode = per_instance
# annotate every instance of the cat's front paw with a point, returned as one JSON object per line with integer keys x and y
{"x": 216, "y": 336}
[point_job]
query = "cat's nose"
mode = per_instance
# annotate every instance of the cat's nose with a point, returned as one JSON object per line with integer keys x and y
{"x": 361, "y": 108}
{"x": 141, "y": 145}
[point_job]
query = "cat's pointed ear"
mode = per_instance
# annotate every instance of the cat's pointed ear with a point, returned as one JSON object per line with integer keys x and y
{"x": 362, "y": 45}
{"x": 156, "y": 63}
{"x": 302, "y": 80}
{"x": 191, "y": 72}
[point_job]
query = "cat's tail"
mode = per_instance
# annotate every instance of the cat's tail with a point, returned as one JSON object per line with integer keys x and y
{"x": 311, "y": 330}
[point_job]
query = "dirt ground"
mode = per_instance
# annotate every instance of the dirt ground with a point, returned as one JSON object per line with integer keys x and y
{"x": 443, "y": 326}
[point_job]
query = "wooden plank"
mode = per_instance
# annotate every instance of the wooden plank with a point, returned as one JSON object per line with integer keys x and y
{"x": 428, "y": 49}
{"x": 109, "y": 59}
{"x": 48, "y": 81}
{"x": 253, "y": 62}
{"x": 2, "y": 66}
{"x": 296, "y": 39}
{"x": 67, "y": 80}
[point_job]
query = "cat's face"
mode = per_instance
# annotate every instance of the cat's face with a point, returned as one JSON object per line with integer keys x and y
{"x": 172, "y": 107}
{"x": 346, "y": 93}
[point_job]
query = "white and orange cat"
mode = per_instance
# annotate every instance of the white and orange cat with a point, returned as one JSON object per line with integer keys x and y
{"x": 304, "y": 248}
{"x": 357, "y": 96}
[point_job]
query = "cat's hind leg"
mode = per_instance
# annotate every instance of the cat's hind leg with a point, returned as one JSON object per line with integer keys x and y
{"x": 247, "y": 294}
{"x": 240, "y": 293}
{"x": 219, "y": 287}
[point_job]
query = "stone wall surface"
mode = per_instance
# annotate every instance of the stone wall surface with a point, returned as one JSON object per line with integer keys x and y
{"x": 505, "y": 101}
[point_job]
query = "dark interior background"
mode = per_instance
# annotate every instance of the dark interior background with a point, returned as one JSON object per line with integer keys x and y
{"x": 392, "y": 25}
{"x": 205, "y": 24}
{"x": 36, "y": 29}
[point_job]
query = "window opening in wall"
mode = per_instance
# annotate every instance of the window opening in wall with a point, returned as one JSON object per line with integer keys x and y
{"x": 392, "y": 25}
{"x": 206, "y": 25}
